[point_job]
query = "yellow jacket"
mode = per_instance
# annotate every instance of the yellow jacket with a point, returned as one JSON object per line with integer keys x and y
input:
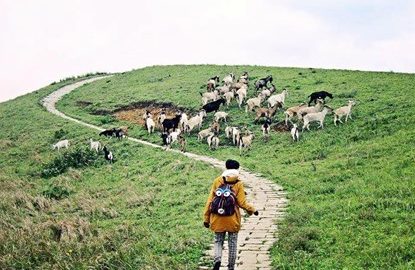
{"x": 227, "y": 223}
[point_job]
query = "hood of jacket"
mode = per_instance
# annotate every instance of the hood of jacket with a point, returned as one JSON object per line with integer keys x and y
{"x": 231, "y": 175}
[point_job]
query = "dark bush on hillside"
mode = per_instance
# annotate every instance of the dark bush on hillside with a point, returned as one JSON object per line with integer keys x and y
{"x": 59, "y": 134}
{"x": 78, "y": 158}
{"x": 56, "y": 192}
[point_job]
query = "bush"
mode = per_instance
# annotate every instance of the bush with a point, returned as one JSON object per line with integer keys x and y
{"x": 56, "y": 192}
{"x": 78, "y": 158}
{"x": 59, "y": 134}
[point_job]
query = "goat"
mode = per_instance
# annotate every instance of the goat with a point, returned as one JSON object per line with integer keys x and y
{"x": 345, "y": 110}
{"x": 221, "y": 115}
{"x": 204, "y": 133}
{"x": 61, "y": 144}
{"x": 254, "y": 102}
{"x": 215, "y": 127}
{"x": 305, "y": 110}
{"x": 229, "y": 96}
{"x": 209, "y": 96}
{"x": 237, "y": 86}
{"x": 166, "y": 139}
{"x": 244, "y": 78}
{"x": 228, "y": 131}
{"x": 213, "y": 106}
{"x": 119, "y": 133}
{"x": 184, "y": 120}
{"x": 292, "y": 111}
{"x": 272, "y": 100}
{"x": 162, "y": 117}
{"x": 94, "y": 145}
{"x": 266, "y": 128}
{"x": 108, "y": 132}
{"x": 295, "y": 133}
{"x": 316, "y": 117}
{"x": 147, "y": 114}
{"x": 242, "y": 93}
{"x": 174, "y": 136}
{"x": 211, "y": 84}
{"x": 236, "y": 134}
{"x": 195, "y": 121}
{"x": 108, "y": 154}
{"x": 319, "y": 95}
{"x": 150, "y": 125}
{"x": 229, "y": 79}
{"x": 246, "y": 141}
{"x": 262, "y": 82}
{"x": 267, "y": 112}
{"x": 171, "y": 123}
{"x": 223, "y": 89}
{"x": 213, "y": 141}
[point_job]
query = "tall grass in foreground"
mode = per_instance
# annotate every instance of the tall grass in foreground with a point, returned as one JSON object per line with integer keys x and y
{"x": 142, "y": 212}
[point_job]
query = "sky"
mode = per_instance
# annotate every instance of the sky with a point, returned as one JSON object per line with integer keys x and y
{"x": 46, "y": 40}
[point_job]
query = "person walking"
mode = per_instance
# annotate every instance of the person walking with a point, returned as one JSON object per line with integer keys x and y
{"x": 221, "y": 213}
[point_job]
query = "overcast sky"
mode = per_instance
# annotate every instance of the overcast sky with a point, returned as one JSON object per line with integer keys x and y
{"x": 45, "y": 40}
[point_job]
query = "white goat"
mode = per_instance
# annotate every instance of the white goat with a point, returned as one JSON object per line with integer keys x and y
{"x": 234, "y": 133}
{"x": 150, "y": 125}
{"x": 314, "y": 109}
{"x": 184, "y": 120}
{"x": 295, "y": 133}
{"x": 213, "y": 141}
{"x": 94, "y": 145}
{"x": 315, "y": 117}
{"x": 195, "y": 121}
{"x": 342, "y": 111}
{"x": 254, "y": 102}
{"x": 242, "y": 93}
{"x": 272, "y": 100}
{"x": 61, "y": 144}
{"x": 266, "y": 92}
{"x": 229, "y": 79}
{"x": 210, "y": 96}
{"x": 221, "y": 115}
{"x": 229, "y": 96}
{"x": 204, "y": 133}
{"x": 174, "y": 136}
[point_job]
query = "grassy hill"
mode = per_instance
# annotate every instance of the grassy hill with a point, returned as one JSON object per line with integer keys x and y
{"x": 142, "y": 212}
{"x": 350, "y": 187}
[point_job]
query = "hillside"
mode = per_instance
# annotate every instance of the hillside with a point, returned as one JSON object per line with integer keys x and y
{"x": 350, "y": 187}
{"x": 93, "y": 215}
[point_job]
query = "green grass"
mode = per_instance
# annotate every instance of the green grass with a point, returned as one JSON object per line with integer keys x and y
{"x": 142, "y": 212}
{"x": 350, "y": 187}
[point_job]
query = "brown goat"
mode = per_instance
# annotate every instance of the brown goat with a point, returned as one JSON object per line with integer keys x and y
{"x": 267, "y": 112}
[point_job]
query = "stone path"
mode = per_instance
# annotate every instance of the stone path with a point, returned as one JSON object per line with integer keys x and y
{"x": 257, "y": 234}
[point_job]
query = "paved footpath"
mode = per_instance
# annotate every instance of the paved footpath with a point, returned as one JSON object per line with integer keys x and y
{"x": 258, "y": 233}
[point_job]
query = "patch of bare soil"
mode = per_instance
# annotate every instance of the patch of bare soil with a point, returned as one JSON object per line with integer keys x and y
{"x": 134, "y": 112}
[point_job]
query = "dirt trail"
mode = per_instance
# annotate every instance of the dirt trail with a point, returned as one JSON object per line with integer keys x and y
{"x": 257, "y": 234}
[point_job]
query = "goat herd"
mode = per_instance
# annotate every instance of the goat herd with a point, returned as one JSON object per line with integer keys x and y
{"x": 174, "y": 129}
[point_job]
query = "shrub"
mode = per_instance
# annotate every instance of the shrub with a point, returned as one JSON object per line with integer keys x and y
{"x": 59, "y": 134}
{"x": 56, "y": 192}
{"x": 78, "y": 158}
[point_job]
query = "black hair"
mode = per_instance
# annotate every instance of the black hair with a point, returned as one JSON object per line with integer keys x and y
{"x": 232, "y": 164}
